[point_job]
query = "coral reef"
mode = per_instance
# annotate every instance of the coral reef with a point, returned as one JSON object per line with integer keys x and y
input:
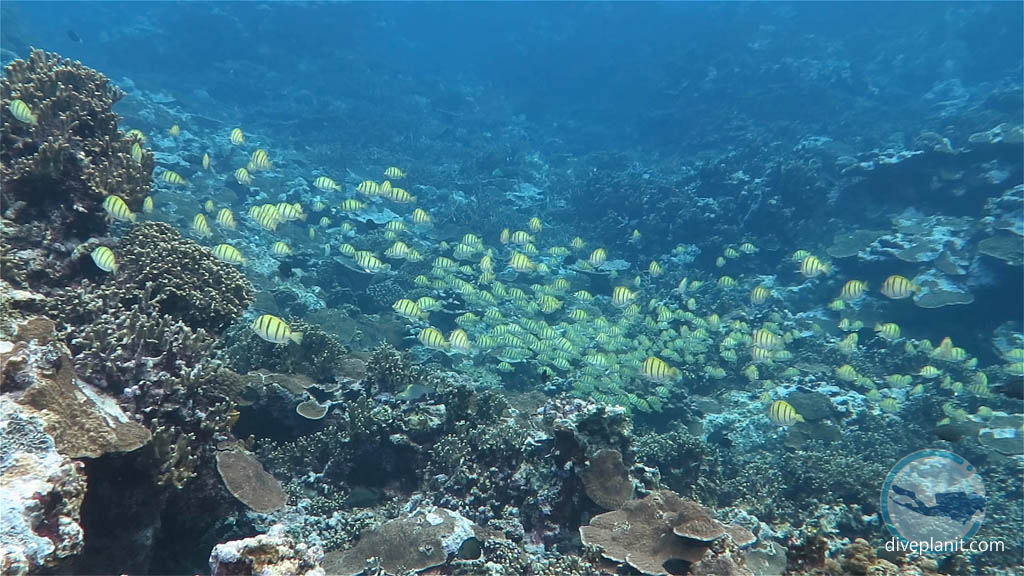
{"x": 421, "y": 539}
{"x": 41, "y": 494}
{"x": 606, "y": 480}
{"x": 320, "y": 355}
{"x": 38, "y": 371}
{"x": 246, "y": 479}
{"x": 181, "y": 278}
{"x": 270, "y": 554}
{"x": 663, "y": 528}
{"x": 56, "y": 172}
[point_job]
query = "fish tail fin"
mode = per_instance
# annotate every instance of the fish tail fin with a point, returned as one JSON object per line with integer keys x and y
{"x": 296, "y": 337}
{"x": 799, "y": 418}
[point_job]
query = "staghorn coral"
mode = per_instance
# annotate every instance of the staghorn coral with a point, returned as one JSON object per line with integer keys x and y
{"x": 54, "y": 174}
{"x": 75, "y": 144}
{"x": 134, "y": 337}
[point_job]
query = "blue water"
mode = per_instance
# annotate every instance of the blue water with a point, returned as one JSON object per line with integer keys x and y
{"x": 714, "y": 139}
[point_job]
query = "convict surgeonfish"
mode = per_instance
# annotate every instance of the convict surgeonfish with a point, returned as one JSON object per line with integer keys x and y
{"x": 897, "y": 287}
{"x": 22, "y": 112}
{"x": 228, "y": 253}
{"x": 394, "y": 173}
{"x": 783, "y": 414}
{"x": 273, "y": 329}
{"x": 117, "y": 209}
{"x": 104, "y": 259}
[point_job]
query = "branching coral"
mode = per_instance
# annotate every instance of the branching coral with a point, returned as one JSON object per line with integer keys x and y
{"x": 320, "y": 356}
{"x": 182, "y": 278}
{"x": 58, "y": 170}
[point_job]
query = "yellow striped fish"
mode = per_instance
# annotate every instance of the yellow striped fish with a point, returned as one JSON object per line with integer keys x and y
{"x": 352, "y": 205}
{"x": 520, "y": 237}
{"x": 598, "y": 257}
{"x": 369, "y": 188}
{"x": 174, "y": 131}
{"x": 347, "y": 250}
{"x": 228, "y": 253}
{"x": 409, "y": 309}
{"x": 655, "y": 269}
{"x": 325, "y": 184}
{"x": 104, "y": 259}
{"x": 853, "y": 290}
{"x": 280, "y": 248}
{"x": 811, "y": 267}
{"x": 535, "y": 224}
{"x": 622, "y": 296}
{"x": 368, "y": 262}
{"x": 266, "y": 216}
{"x": 432, "y": 338}
{"x": 237, "y": 138}
{"x": 137, "y": 152}
{"x": 897, "y": 287}
{"x": 173, "y": 178}
{"x": 401, "y": 195}
{"x": 759, "y": 295}
{"x": 888, "y": 330}
{"x": 290, "y": 212}
{"x": 420, "y": 216}
{"x": 520, "y": 262}
{"x": 243, "y": 177}
{"x": 766, "y": 339}
{"x": 783, "y": 414}
{"x": 273, "y": 329}
{"x": 459, "y": 341}
{"x": 200, "y": 226}
{"x": 226, "y": 218}
{"x": 206, "y": 161}
{"x": 147, "y": 205}
{"x": 22, "y": 112}
{"x": 259, "y": 160}
{"x": 398, "y": 250}
{"x": 657, "y": 370}
{"x": 394, "y": 173}
{"x": 117, "y": 209}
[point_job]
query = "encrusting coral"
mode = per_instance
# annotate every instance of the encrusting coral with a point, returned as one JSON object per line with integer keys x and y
{"x": 662, "y": 528}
